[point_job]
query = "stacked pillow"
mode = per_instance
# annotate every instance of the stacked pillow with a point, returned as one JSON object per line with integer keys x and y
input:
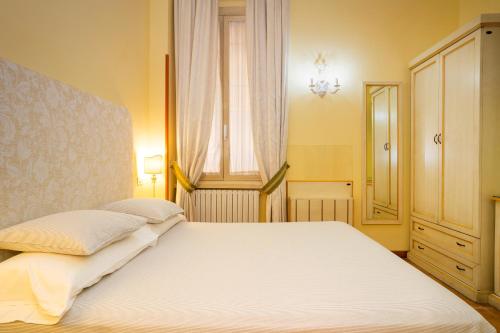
{"x": 155, "y": 210}
{"x": 160, "y": 214}
{"x": 67, "y": 252}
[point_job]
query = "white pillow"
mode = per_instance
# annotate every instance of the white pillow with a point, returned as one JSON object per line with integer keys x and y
{"x": 161, "y": 228}
{"x": 40, "y": 288}
{"x": 155, "y": 210}
{"x": 79, "y": 232}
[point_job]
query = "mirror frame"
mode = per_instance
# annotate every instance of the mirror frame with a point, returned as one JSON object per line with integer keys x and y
{"x": 364, "y": 219}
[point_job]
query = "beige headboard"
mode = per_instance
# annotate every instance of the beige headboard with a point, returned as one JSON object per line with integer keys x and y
{"x": 60, "y": 149}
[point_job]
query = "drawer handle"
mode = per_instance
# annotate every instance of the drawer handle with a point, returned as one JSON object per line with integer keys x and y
{"x": 460, "y": 268}
{"x": 420, "y": 247}
{"x": 420, "y": 228}
{"x": 460, "y": 244}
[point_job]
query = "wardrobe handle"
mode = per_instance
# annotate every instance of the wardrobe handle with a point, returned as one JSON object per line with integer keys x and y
{"x": 439, "y": 138}
{"x": 420, "y": 247}
{"x": 435, "y": 139}
{"x": 420, "y": 228}
{"x": 460, "y": 244}
{"x": 460, "y": 268}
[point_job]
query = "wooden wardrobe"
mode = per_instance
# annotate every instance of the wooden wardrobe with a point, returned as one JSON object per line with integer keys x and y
{"x": 455, "y": 157}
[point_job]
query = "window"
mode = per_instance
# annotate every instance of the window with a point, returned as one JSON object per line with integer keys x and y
{"x": 231, "y": 154}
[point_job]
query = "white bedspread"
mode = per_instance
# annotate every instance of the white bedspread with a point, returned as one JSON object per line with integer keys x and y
{"x": 282, "y": 277}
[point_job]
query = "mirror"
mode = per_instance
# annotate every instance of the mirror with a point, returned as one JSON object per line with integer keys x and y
{"x": 382, "y": 164}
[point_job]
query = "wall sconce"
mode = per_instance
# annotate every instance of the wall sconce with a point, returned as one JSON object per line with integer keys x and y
{"x": 153, "y": 166}
{"x": 321, "y": 86}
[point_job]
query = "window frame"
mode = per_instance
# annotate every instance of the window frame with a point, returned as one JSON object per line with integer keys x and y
{"x": 224, "y": 179}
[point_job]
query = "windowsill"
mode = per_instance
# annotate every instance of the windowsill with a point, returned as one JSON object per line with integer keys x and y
{"x": 230, "y": 184}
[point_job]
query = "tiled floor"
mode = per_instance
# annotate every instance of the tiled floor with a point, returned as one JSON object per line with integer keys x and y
{"x": 487, "y": 311}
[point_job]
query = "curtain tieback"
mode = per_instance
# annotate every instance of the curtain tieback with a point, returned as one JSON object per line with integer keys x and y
{"x": 269, "y": 188}
{"x": 182, "y": 178}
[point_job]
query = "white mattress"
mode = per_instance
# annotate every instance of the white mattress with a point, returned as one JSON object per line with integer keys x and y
{"x": 282, "y": 277}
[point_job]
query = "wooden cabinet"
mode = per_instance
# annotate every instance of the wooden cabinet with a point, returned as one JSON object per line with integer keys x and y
{"x": 459, "y": 135}
{"x": 425, "y": 152}
{"x": 455, "y": 135}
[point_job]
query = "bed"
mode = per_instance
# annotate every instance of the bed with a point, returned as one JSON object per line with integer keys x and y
{"x": 294, "y": 277}
{"x": 63, "y": 149}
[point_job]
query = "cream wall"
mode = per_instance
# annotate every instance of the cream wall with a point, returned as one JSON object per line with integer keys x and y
{"x": 362, "y": 41}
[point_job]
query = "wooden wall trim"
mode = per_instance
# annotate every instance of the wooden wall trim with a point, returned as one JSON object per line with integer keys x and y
{"x": 167, "y": 150}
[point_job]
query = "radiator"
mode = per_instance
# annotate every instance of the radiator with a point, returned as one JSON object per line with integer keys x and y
{"x": 313, "y": 209}
{"x": 226, "y": 205}
{"x": 320, "y": 201}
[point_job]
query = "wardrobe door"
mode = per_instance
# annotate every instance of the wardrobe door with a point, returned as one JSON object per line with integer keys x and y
{"x": 381, "y": 172}
{"x": 459, "y": 139}
{"x": 393, "y": 147}
{"x": 424, "y": 146}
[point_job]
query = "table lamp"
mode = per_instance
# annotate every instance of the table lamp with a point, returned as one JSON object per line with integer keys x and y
{"x": 153, "y": 166}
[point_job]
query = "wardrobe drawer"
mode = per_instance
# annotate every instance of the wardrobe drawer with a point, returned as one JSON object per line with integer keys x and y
{"x": 463, "y": 272}
{"x": 461, "y": 245}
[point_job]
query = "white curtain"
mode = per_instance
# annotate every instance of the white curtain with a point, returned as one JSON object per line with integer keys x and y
{"x": 242, "y": 155}
{"x": 196, "y": 59}
{"x": 267, "y": 40}
{"x": 241, "y": 151}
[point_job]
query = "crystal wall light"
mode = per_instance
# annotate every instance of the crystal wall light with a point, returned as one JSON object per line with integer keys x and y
{"x": 321, "y": 86}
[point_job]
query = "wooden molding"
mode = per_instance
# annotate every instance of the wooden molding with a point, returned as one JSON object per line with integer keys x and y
{"x": 229, "y": 184}
{"x": 167, "y": 150}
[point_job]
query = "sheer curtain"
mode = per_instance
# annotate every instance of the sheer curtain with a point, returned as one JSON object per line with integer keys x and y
{"x": 267, "y": 40}
{"x": 241, "y": 150}
{"x": 242, "y": 159}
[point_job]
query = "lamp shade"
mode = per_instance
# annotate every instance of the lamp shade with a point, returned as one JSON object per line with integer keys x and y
{"x": 153, "y": 165}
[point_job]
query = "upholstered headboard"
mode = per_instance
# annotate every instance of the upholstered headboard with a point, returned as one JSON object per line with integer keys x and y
{"x": 60, "y": 149}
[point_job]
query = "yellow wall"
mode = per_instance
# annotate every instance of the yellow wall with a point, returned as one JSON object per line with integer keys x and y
{"x": 362, "y": 41}
{"x": 469, "y": 9}
{"x": 97, "y": 46}
{"x": 159, "y": 45}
